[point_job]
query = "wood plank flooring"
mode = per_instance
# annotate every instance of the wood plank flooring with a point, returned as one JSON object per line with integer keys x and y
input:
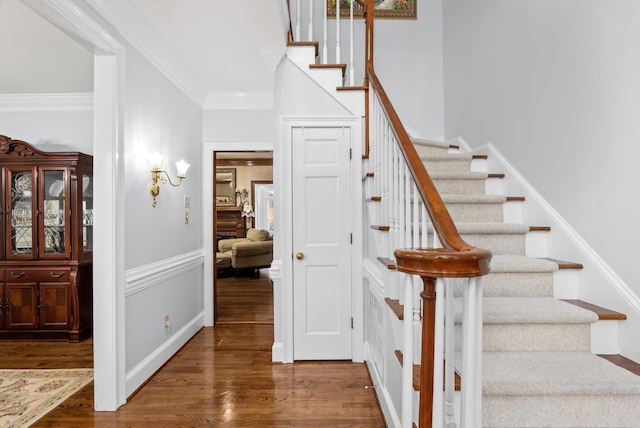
{"x": 223, "y": 377}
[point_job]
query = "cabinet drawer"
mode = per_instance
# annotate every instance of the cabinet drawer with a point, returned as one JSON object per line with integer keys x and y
{"x": 38, "y": 275}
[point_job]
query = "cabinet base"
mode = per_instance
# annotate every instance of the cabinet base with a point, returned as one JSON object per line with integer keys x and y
{"x": 46, "y": 335}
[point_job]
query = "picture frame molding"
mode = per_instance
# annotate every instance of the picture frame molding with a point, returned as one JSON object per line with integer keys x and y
{"x": 409, "y": 13}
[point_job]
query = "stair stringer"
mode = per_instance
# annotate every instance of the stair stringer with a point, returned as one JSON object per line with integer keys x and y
{"x": 596, "y": 283}
{"x": 327, "y": 79}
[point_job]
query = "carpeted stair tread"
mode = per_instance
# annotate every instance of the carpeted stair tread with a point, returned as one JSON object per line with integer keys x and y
{"x": 514, "y": 264}
{"x": 554, "y": 373}
{"x": 529, "y": 310}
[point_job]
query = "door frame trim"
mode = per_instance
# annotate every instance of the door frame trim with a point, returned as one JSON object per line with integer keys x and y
{"x": 282, "y": 268}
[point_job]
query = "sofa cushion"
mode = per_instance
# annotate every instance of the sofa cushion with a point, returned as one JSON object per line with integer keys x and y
{"x": 257, "y": 235}
{"x": 244, "y": 249}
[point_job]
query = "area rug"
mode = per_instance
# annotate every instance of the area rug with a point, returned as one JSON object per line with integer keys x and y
{"x": 27, "y": 395}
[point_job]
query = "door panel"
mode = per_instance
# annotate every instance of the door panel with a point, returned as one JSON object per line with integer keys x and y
{"x": 321, "y": 243}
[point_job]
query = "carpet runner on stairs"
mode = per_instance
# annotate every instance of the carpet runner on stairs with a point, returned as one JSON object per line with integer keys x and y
{"x": 538, "y": 370}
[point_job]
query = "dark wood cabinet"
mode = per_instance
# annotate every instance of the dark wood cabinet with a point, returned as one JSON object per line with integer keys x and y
{"x": 230, "y": 223}
{"x": 46, "y": 219}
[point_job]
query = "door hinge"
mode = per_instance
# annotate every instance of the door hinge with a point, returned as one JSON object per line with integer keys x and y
{"x": 350, "y": 153}
{"x": 351, "y": 238}
{"x": 351, "y": 323}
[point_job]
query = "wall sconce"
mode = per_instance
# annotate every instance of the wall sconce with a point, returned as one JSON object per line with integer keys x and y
{"x": 155, "y": 160}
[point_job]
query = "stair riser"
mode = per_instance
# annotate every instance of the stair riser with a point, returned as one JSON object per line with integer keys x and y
{"x": 518, "y": 284}
{"x": 460, "y": 186}
{"x": 498, "y": 244}
{"x": 561, "y": 411}
{"x": 448, "y": 165}
{"x": 533, "y": 337}
{"x": 478, "y": 213}
{"x": 426, "y": 151}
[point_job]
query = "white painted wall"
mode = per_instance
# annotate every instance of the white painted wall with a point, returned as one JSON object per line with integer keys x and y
{"x": 43, "y": 129}
{"x": 555, "y": 86}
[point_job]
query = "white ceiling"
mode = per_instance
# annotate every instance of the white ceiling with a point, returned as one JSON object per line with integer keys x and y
{"x": 229, "y": 46}
{"x": 36, "y": 57}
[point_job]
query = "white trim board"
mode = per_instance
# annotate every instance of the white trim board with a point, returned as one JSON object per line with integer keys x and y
{"x": 143, "y": 277}
{"x": 108, "y": 265}
{"x": 46, "y": 102}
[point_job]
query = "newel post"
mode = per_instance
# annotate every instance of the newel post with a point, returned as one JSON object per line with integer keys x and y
{"x": 431, "y": 264}
{"x": 428, "y": 296}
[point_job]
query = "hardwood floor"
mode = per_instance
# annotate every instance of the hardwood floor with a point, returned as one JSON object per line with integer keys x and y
{"x": 224, "y": 376}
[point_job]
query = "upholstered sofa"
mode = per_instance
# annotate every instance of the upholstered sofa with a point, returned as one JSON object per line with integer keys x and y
{"x": 255, "y": 251}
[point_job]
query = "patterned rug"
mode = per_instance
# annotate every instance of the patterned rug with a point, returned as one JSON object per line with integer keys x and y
{"x": 27, "y": 395}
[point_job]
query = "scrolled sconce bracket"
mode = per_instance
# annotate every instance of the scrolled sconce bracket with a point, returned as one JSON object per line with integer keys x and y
{"x": 158, "y": 175}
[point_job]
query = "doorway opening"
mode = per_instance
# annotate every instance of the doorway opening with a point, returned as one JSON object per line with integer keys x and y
{"x": 243, "y": 236}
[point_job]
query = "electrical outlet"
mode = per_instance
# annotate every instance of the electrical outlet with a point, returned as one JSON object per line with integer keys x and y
{"x": 167, "y": 322}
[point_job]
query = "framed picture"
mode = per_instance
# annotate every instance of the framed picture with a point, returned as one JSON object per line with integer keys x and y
{"x": 226, "y": 187}
{"x": 386, "y": 9}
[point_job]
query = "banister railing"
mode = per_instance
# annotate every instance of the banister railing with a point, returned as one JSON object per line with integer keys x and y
{"x": 427, "y": 249}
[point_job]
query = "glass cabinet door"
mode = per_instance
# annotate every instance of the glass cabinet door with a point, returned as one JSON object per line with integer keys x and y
{"x": 20, "y": 215}
{"x": 54, "y": 237}
{"x": 87, "y": 213}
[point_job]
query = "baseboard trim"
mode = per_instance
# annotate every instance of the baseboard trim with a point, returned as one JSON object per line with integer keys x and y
{"x": 384, "y": 399}
{"x": 154, "y": 361}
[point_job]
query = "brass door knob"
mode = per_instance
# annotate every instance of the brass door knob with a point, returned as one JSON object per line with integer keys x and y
{"x": 300, "y": 256}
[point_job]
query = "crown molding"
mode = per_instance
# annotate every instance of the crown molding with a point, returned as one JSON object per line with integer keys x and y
{"x": 239, "y": 100}
{"x": 135, "y": 29}
{"x": 46, "y": 102}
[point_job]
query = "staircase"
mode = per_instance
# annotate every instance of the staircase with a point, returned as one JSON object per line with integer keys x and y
{"x": 538, "y": 366}
{"x": 538, "y": 369}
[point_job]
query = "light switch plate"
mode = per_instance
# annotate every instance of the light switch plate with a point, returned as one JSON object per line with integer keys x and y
{"x": 187, "y": 201}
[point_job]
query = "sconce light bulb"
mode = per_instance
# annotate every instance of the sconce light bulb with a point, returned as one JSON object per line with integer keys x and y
{"x": 181, "y": 168}
{"x": 155, "y": 161}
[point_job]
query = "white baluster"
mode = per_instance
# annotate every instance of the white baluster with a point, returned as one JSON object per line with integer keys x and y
{"x": 310, "y": 21}
{"x": 449, "y": 354}
{"x": 407, "y": 356}
{"x": 324, "y": 37}
{"x": 337, "y": 31}
{"x": 351, "y": 71}
{"x": 424, "y": 237}
{"x": 416, "y": 217}
{"x": 438, "y": 351}
{"x": 409, "y": 222}
{"x": 297, "y": 21}
{"x": 471, "y": 407}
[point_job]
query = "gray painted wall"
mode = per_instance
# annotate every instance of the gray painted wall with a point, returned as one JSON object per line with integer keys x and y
{"x": 42, "y": 129}
{"x": 555, "y": 86}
